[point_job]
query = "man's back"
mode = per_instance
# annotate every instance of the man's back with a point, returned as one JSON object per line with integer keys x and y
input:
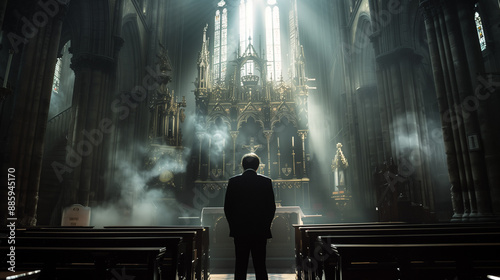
{"x": 249, "y": 205}
{"x": 249, "y": 208}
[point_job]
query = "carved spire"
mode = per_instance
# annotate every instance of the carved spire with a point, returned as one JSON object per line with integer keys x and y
{"x": 204, "y": 62}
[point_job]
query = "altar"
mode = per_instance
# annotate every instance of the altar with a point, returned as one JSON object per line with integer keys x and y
{"x": 280, "y": 249}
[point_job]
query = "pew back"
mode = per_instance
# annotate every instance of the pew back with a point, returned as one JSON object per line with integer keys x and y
{"x": 190, "y": 260}
{"x": 318, "y": 247}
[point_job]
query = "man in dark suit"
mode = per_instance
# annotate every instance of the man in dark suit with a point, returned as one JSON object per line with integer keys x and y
{"x": 249, "y": 207}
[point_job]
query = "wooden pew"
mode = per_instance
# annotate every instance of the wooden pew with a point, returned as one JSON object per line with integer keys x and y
{"x": 308, "y": 263}
{"x": 186, "y": 251}
{"x": 193, "y": 250}
{"x": 410, "y": 256}
{"x": 93, "y": 262}
{"x": 305, "y": 235}
{"x": 84, "y": 257}
{"x": 201, "y": 244}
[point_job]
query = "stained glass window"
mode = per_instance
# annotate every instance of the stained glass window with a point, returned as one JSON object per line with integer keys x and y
{"x": 246, "y": 33}
{"x": 62, "y": 83}
{"x": 220, "y": 42}
{"x": 57, "y": 76}
{"x": 273, "y": 41}
{"x": 480, "y": 31}
{"x": 223, "y": 44}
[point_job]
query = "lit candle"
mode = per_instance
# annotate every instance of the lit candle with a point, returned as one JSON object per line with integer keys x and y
{"x": 278, "y": 141}
{"x": 293, "y": 145}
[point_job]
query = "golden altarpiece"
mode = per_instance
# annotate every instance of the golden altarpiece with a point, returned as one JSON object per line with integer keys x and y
{"x": 253, "y": 99}
{"x": 166, "y": 153}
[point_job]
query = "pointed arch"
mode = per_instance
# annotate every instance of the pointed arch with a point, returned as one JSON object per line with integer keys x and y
{"x": 365, "y": 54}
{"x": 243, "y": 118}
{"x": 130, "y": 54}
{"x": 284, "y": 112}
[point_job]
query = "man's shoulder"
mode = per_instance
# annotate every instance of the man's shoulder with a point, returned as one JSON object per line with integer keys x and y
{"x": 264, "y": 177}
{"x": 235, "y": 177}
{"x": 240, "y": 176}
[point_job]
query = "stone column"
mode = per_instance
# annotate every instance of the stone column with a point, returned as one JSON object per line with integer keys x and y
{"x": 29, "y": 123}
{"x": 447, "y": 128}
{"x": 400, "y": 111}
{"x": 456, "y": 59}
{"x": 468, "y": 102}
{"x": 91, "y": 125}
{"x": 95, "y": 52}
{"x": 453, "y": 114}
{"x": 483, "y": 103}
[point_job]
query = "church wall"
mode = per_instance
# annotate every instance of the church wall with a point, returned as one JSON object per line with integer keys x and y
{"x": 368, "y": 146}
{"x": 434, "y": 144}
{"x": 403, "y": 116}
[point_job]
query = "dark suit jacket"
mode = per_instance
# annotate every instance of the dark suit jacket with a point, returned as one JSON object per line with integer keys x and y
{"x": 249, "y": 205}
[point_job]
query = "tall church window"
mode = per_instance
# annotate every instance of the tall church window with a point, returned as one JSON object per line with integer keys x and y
{"x": 480, "y": 31}
{"x": 246, "y": 32}
{"x": 273, "y": 42}
{"x": 62, "y": 83}
{"x": 57, "y": 76}
{"x": 220, "y": 42}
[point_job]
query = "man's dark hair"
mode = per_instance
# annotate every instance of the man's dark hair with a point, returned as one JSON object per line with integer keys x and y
{"x": 250, "y": 160}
